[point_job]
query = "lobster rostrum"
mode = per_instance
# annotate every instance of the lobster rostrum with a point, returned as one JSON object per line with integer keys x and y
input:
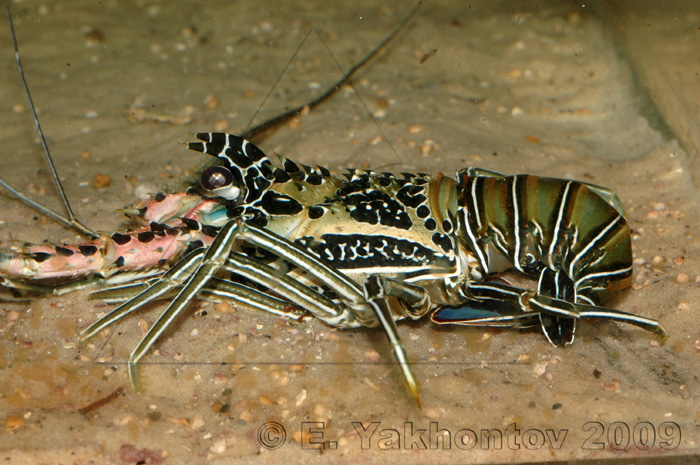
{"x": 366, "y": 250}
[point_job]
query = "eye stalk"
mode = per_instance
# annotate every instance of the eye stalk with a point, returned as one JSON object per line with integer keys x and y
{"x": 219, "y": 181}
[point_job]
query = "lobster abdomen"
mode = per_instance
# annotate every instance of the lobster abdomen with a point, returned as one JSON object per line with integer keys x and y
{"x": 534, "y": 223}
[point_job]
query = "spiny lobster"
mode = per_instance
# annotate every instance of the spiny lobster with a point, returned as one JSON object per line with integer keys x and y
{"x": 365, "y": 250}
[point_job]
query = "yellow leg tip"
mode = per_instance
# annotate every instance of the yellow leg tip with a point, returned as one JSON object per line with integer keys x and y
{"x": 661, "y": 335}
{"x": 413, "y": 387}
{"x": 415, "y": 396}
{"x": 134, "y": 375}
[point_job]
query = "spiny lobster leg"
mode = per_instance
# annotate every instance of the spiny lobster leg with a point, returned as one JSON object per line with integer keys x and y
{"x": 547, "y": 305}
{"x": 176, "y": 275}
{"x": 558, "y": 299}
{"x": 217, "y": 290}
{"x": 221, "y": 290}
{"x": 377, "y": 290}
{"x": 212, "y": 260}
{"x": 58, "y": 289}
{"x": 361, "y": 307}
{"x": 559, "y": 329}
{"x": 493, "y": 304}
{"x": 280, "y": 283}
{"x": 118, "y": 294}
{"x": 358, "y": 307}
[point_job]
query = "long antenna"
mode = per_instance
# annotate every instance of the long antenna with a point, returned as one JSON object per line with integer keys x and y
{"x": 347, "y": 77}
{"x": 70, "y": 218}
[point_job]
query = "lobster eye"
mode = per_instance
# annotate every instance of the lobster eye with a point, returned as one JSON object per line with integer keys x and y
{"x": 219, "y": 180}
{"x": 216, "y": 177}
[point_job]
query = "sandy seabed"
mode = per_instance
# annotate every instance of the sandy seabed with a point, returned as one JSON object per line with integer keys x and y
{"x": 556, "y": 90}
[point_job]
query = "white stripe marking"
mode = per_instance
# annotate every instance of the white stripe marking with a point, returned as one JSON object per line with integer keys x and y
{"x": 557, "y": 227}
{"x": 591, "y": 244}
